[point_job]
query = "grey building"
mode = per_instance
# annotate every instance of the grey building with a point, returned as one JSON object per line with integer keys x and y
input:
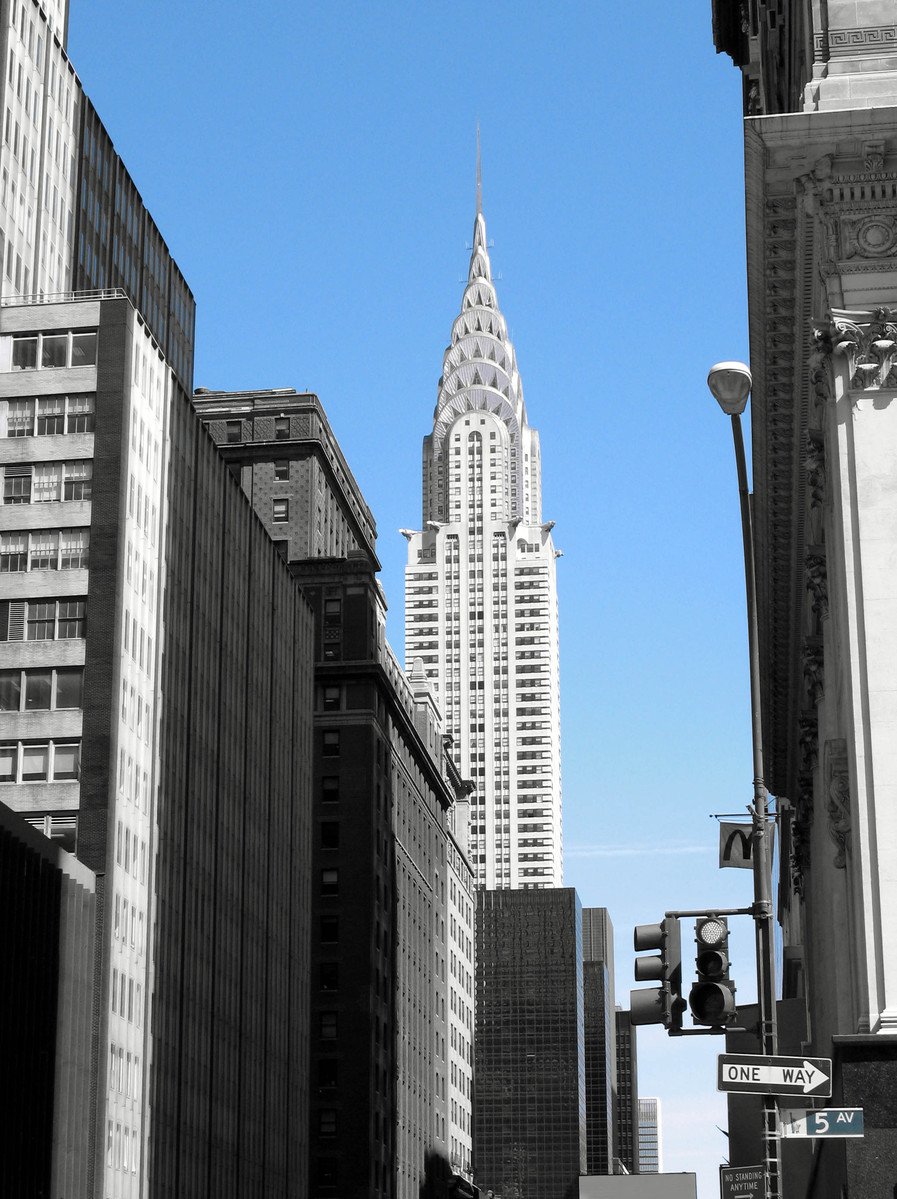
{"x": 600, "y": 1040}
{"x": 650, "y": 1154}
{"x": 626, "y": 1113}
{"x": 392, "y": 904}
{"x": 530, "y": 1114}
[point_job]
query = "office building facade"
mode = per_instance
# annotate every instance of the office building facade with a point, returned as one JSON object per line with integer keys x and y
{"x": 599, "y": 1013}
{"x": 392, "y": 910}
{"x": 626, "y": 1111}
{"x": 47, "y": 939}
{"x": 481, "y": 595}
{"x": 820, "y": 106}
{"x": 530, "y": 1114}
{"x": 179, "y": 773}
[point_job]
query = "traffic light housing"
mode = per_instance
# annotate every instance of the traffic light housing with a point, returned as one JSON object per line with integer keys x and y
{"x": 712, "y": 997}
{"x": 664, "y": 1004}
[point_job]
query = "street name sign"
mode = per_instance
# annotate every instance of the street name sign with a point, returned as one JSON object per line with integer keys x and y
{"x": 750, "y": 1073}
{"x": 821, "y": 1122}
{"x": 742, "y": 1182}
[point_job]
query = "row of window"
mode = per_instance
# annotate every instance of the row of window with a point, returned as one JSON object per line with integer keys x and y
{"x": 43, "y": 416}
{"x": 39, "y": 762}
{"x": 42, "y": 620}
{"x": 44, "y": 549}
{"x": 47, "y": 482}
{"x": 122, "y": 1147}
{"x": 41, "y": 690}
{"x": 53, "y": 350}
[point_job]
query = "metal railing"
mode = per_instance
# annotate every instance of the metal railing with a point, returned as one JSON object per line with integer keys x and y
{"x": 64, "y": 297}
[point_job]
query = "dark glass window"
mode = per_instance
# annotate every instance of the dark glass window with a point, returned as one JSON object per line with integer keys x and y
{"x": 69, "y": 687}
{"x": 329, "y": 976}
{"x": 282, "y": 469}
{"x": 328, "y": 1074}
{"x": 331, "y": 743}
{"x": 8, "y": 758}
{"x": 330, "y": 882}
{"x": 327, "y": 1121}
{"x": 38, "y": 689}
{"x": 66, "y": 761}
{"x": 54, "y": 349}
{"x": 24, "y": 353}
{"x": 329, "y": 1020}
{"x": 84, "y": 349}
{"x": 10, "y": 690}
{"x": 71, "y": 618}
{"x": 282, "y": 427}
{"x": 329, "y": 789}
{"x": 41, "y": 620}
{"x": 330, "y": 834}
{"x": 233, "y": 430}
{"x": 331, "y": 699}
{"x": 330, "y": 929}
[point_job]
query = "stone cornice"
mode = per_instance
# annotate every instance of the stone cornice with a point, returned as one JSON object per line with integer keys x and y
{"x": 821, "y": 200}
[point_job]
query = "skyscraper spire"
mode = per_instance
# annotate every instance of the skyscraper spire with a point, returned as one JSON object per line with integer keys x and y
{"x": 479, "y": 175}
{"x": 480, "y": 590}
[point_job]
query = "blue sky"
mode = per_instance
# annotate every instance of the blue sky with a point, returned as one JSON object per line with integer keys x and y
{"x": 312, "y": 168}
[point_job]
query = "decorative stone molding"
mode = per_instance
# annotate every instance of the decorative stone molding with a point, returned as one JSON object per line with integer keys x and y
{"x": 817, "y": 580}
{"x": 820, "y": 363}
{"x": 842, "y": 43}
{"x": 801, "y": 826}
{"x": 868, "y": 342}
{"x": 837, "y": 790}
{"x": 813, "y": 671}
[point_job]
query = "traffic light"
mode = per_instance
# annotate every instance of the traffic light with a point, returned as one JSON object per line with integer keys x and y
{"x": 712, "y": 998}
{"x": 664, "y": 1004}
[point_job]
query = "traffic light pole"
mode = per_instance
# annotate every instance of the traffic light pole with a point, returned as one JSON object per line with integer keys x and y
{"x": 760, "y": 849}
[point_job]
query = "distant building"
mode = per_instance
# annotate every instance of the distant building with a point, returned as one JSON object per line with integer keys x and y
{"x": 600, "y": 1040}
{"x": 392, "y": 906}
{"x": 626, "y": 1112}
{"x": 530, "y": 1115}
{"x": 650, "y": 1141}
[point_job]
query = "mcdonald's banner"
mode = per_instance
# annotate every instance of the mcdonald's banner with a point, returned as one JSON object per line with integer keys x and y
{"x": 735, "y": 846}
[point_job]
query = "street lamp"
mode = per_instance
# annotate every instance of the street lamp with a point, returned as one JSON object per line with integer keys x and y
{"x": 730, "y": 385}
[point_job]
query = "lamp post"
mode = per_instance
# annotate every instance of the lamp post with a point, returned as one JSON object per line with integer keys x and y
{"x": 730, "y": 385}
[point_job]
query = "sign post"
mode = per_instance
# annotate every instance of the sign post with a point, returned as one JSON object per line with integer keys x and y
{"x": 749, "y": 1073}
{"x": 823, "y": 1122}
{"x": 742, "y": 1182}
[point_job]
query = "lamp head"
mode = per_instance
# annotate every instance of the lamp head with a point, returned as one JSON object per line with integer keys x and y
{"x": 730, "y": 385}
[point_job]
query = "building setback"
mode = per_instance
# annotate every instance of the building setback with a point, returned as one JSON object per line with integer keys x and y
{"x": 481, "y": 595}
{"x": 392, "y": 931}
{"x": 71, "y": 217}
{"x": 530, "y": 1114}
{"x": 155, "y": 711}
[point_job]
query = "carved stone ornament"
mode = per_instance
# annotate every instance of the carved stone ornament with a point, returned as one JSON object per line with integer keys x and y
{"x": 801, "y": 826}
{"x": 814, "y": 674}
{"x": 809, "y": 741}
{"x": 817, "y": 580}
{"x": 815, "y": 467}
{"x": 868, "y": 342}
{"x": 837, "y": 784}
{"x": 820, "y": 363}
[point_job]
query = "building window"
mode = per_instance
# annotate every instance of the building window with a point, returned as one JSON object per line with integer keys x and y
{"x": 330, "y": 882}
{"x": 328, "y": 1025}
{"x": 331, "y": 743}
{"x": 233, "y": 431}
{"x": 53, "y": 350}
{"x": 331, "y": 699}
{"x": 330, "y": 834}
{"x": 329, "y": 976}
{"x": 329, "y": 789}
{"x": 329, "y": 930}
{"x": 27, "y": 762}
{"x": 328, "y": 1072}
{"x": 282, "y": 469}
{"x": 327, "y": 1121}
{"x": 54, "y": 414}
{"x": 281, "y": 511}
{"x": 17, "y": 485}
{"x": 281, "y": 428}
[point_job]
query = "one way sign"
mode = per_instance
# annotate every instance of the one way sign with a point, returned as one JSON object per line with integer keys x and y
{"x": 754, "y": 1074}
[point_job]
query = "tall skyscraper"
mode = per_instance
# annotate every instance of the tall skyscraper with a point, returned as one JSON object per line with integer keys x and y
{"x": 650, "y": 1152}
{"x": 600, "y": 1040}
{"x": 481, "y": 595}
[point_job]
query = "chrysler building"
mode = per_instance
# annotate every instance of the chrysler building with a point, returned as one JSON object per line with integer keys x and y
{"x": 481, "y": 594}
